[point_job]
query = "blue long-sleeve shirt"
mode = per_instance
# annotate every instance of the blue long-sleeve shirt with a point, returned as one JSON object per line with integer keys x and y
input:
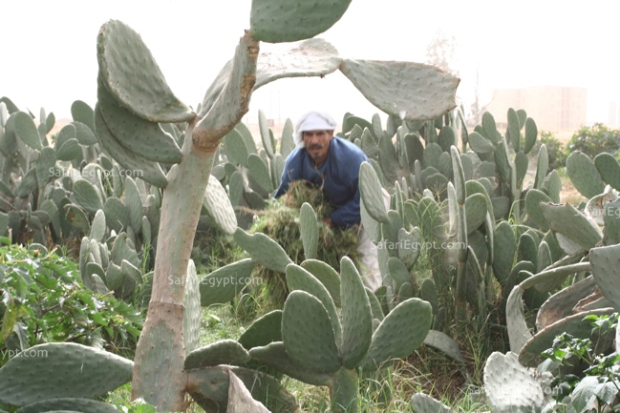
{"x": 338, "y": 176}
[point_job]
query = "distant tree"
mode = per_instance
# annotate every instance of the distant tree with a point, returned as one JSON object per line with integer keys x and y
{"x": 440, "y": 52}
{"x": 476, "y": 109}
{"x": 594, "y": 139}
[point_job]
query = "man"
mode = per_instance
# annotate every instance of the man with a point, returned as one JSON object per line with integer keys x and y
{"x": 332, "y": 164}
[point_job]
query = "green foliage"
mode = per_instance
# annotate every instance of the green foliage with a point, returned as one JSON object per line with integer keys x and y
{"x": 593, "y": 140}
{"x": 569, "y": 351}
{"x": 121, "y": 398}
{"x": 44, "y": 300}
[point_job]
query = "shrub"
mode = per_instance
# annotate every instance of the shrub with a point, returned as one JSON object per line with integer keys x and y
{"x": 594, "y": 140}
{"x": 599, "y": 378}
{"x": 44, "y": 300}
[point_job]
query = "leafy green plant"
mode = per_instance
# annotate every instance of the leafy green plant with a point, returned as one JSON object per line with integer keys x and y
{"x": 568, "y": 350}
{"x": 594, "y": 139}
{"x": 44, "y": 300}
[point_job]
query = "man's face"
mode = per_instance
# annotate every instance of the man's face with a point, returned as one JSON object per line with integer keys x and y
{"x": 317, "y": 144}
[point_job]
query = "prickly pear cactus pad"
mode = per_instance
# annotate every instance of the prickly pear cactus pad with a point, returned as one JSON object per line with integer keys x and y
{"x": 240, "y": 400}
{"x": 136, "y": 134}
{"x": 509, "y": 386}
{"x": 568, "y": 221}
{"x": 131, "y": 74}
{"x": 308, "y": 226}
{"x": 584, "y": 175}
{"x": 459, "y": 176}
{"x": 56, "y": 370}
{"x": 574, "y": 325}
{"x": 531, "y": 133}
{"x": 609, "y": 168}
{"x": 223, "y": 284}
{"x": 218, "y": 207}
{"x": 313, "y": 57}
{"x": 298, "y": 278}
{"x": 370, "y": 191}
{"x": 151, "y": 171}
{"x": 263, "y": 250}
{"x": 356, "y": 315}
{"x": 263, "y": 331}
{"x": 26, "y": 130}
{"x": 479, "y": 143}
{"x": 275, "y": 356}
{"x": 518, "y": 332}
{"x": 422, "y": 403}
{"x": 560, "y": 305}
{"x": 86, "y": 195}
{"x": 69, "y": 404}
{"x": 82, "y": 112}
{"x": 475, "y": 211}
{"x": 307, "y": 333}
{"x": 410, "y": 91}
{"x": 443, "y": 342}
{"x": 209, "y": 388}
{"x": 220, "y": 352}
{"x": 327, "y": 275}
{"x": 276, "y": 21}
{"x": 412, "y": 319}
{"x": 267, "y": 390}
{"x": 533, "y": 198}
{"x": 192, "y": 312}
{"x": 605, "y": 262}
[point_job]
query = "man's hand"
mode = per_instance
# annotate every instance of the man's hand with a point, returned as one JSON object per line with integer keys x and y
{"x": 328, "y": 222}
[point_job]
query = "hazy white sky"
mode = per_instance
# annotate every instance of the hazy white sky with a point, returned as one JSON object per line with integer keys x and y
{"x": 48, "y": 49}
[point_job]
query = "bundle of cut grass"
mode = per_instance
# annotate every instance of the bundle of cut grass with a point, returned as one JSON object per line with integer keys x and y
{"x": 280, "y": 221}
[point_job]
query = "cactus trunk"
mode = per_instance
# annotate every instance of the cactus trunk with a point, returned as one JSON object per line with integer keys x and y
{"x": 158, "y": 372}
{"x": 343, "y": 391}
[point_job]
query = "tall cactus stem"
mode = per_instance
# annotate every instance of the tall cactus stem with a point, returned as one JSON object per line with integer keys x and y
{"x": 158, "y": 372}
{"x": 460, "y": 305}
{"x": 343, "y": 391}
{"x": 515, "y": 190}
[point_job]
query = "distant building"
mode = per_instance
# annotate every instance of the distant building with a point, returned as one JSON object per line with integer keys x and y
{"x": 554, "y": 108}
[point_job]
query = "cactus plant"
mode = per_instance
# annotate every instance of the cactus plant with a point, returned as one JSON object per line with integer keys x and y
{"x": 319, "y": 350}
{"x": 141, "y": 89}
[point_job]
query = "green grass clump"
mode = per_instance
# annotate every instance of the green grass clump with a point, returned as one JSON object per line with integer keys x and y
{"x": 280, "y": 221}
{"x": 213, "y": 249}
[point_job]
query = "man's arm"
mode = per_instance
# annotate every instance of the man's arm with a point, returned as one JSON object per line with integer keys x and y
{"x": 349, "y": 214}
{"x": 291, "y": 172}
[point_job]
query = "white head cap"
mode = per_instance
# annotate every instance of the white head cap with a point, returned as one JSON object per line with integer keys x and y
{"x": 313, "y": 120}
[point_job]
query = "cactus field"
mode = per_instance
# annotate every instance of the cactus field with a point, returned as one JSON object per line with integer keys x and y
{"x": 497, "y": 294}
